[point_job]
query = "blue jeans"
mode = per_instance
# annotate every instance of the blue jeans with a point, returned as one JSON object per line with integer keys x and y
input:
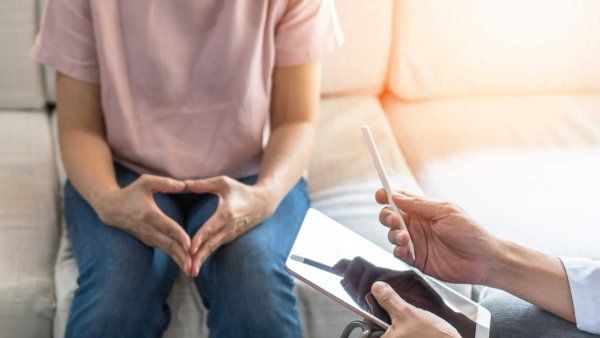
{"x": 124, "y": 284}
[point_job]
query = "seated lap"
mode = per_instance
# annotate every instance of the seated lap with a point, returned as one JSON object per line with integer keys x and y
{"x": 124, "y": 284}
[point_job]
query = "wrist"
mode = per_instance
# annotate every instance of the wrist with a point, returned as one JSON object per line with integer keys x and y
{"x": 508, "y": 263}
{"x": 269, "y": 195}
{"x": 100, "y": 198}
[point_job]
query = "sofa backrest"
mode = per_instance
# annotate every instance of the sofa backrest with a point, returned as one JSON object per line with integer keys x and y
{"x": 360, "y": 65}
{"x": 489, "y": 47}
{"x": 21, "y": 80}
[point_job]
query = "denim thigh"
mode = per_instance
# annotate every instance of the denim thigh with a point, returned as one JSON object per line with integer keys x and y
{"x": 123, "y": 284}
{"x": 244, "y": 283}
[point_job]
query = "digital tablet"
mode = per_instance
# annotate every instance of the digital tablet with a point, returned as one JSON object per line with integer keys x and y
{"x": 343, "y": 265}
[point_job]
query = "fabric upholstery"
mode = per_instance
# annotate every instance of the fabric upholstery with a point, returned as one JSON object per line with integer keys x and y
{"x": 471, "y": 47}
{"x": 360, "y": 65}
{"x": 526, "y": 167}
{"x": 48, "y": 73}
{"x": 20, "y": 78}
{"x": 341, "y": 156}
{"x": 28, "y": 223}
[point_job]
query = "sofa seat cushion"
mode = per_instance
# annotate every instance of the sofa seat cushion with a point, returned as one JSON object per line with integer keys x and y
{"x": 526, "y": 167}
{"x": 28, "y": 223}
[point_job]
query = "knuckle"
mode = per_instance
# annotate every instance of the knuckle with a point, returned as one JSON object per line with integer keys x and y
{"x": 150, "y": 241}
{"x": 105, "y": 217}
{"x": 144, "y": 179}
{"x": 228, "y": 216}
{"x": 147, "y": 215}
{"x": 143, "y": 230}
{"x": 171, "y": 246}
{"x": 450, "y": 207}
{"x": 446, "y": 204}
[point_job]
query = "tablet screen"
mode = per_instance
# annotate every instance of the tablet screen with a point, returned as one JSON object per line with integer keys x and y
{"x": 343, "y": 265}
{"x": 358, "y": 275}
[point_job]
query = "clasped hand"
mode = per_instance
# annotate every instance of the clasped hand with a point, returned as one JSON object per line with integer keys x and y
{"x": 133, "y": 210}
{"x": 241, "y": 207}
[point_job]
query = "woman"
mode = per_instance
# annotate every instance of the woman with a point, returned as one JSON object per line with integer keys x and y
{"x": 161, "y": 110}
{"x": 452, "y": 247}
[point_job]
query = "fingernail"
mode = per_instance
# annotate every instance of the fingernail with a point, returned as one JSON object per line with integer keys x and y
{"x": 379, "y": 287}
{"x": 388, "y": 219}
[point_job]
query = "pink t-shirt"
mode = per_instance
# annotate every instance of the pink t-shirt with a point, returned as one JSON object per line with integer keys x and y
{"x": 185, "y": 84}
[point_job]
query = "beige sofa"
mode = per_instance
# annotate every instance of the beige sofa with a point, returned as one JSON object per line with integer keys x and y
{"x": 494, "y": 105}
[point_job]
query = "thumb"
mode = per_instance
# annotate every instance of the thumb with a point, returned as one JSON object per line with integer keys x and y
{"x": 422, "y": 206}
{"x": 161, "y": 184}
{"x": 207, "y": 185}
{"x": 395, "y": 306}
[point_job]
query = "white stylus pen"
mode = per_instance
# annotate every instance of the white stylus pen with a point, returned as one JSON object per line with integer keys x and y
{"x": 385, "y": 181}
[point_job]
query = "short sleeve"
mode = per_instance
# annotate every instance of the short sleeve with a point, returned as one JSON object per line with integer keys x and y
{"x": 307, "y": 30}
{"x": 66, "y": 40}
{"x": 584, "y": 282}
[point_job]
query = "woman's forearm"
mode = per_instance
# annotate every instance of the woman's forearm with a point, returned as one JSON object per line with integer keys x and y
{"x": 534, "y": 276}
{"x": 88, "y": 163}
{"x": 85, "y": 152}
{"x": 294, "y": 110}
{"x": 286, "y": 157}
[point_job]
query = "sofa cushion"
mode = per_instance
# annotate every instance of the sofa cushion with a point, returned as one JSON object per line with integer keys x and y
{"x": 526, "y": 167}
{"x": 28, "y": 223}
{"x": 21, "y": 80}
{"x": 360, "y": 65}
{"x": 470, "y": 47}
{"x": 341, "y": 156}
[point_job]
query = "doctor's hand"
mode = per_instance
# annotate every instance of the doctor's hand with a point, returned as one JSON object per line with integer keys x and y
{"x": 241, "y": 207}
{"x": 409, "y": 321}
{"x": 449, "y": 244}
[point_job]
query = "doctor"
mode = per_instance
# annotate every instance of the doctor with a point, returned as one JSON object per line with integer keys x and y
{"x": 453, "y": 247}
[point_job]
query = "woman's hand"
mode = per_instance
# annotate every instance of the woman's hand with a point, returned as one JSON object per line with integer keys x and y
{"x": 133, "y": 210}
{"x": 241, "y": 207}
{"x": 409, "y": 321}
{"x": 449, "y": 245}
